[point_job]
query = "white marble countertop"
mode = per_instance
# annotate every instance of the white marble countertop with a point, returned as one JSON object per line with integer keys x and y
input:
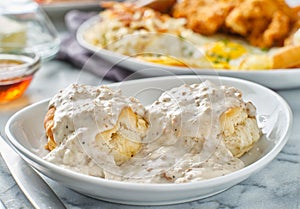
{"x": 277, "y": 186}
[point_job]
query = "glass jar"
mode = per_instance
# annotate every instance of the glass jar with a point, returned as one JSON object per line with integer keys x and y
{"x": 25, "y": 26}
{"x": 17, "y": 70}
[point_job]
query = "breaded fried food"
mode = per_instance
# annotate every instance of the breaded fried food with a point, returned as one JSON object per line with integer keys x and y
{"x": 204, "y": 16}
{"x": 290, "y": 40}
{"x": 264, "y": 23}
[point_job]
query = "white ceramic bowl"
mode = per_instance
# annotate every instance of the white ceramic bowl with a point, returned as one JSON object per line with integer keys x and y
{"x": 26, "y": 133}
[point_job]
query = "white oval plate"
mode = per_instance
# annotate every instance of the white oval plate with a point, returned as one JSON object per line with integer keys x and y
{"x": 275, "y": 79}
{"x": 26, "y": 133}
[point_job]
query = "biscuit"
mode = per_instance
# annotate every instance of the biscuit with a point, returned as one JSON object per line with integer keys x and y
{"x": 239, "y": 130}
{"x": 125, "y": 138}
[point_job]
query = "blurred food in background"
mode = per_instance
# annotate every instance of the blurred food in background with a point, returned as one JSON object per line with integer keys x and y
{"x": 64, "y": 1}
{"x": 264, "y": 23}
{"x": 203, "y": 34}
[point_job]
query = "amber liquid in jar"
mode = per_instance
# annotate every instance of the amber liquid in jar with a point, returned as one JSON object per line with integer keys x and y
{"x": 12, "y": 88}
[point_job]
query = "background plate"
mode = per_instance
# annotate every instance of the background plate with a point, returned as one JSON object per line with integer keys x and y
{"x": 69, "y": 5}
{"x": 275, "y": 79}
